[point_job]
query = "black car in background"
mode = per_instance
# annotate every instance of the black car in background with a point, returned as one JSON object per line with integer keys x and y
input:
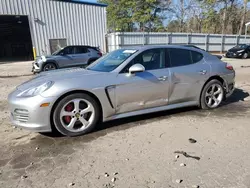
{"x": 239, "y": 51}
{"x": 193, "y": 46}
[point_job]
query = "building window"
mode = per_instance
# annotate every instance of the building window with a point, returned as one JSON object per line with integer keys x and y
{"x": 57, "y": 44}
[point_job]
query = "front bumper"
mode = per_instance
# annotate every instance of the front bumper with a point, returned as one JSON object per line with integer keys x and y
{"x": 26, "y": 112}
{"x": 36, "y": 68}
{"x": 233, "y": 55}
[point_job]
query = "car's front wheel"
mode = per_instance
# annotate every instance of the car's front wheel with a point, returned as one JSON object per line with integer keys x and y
{"x": 49, "y": 66}
{"x": 76, "y": 114}
{"x": 212, "y": 95}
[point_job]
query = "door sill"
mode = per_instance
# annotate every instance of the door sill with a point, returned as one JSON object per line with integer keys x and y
{"x": 151, "y": 110}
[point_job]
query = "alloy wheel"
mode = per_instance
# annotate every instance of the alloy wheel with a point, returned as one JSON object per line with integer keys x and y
{"x": 77, "y": 115}
{"x": 214, "y": 96}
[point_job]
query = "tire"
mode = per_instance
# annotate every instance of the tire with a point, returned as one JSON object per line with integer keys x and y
{"x": 245, "y": 56}
{"x": 212, "y": 99}
{"x": 91, "y": 61}
{"x": 63, "y": 120}
{"x": 49, "y": 66}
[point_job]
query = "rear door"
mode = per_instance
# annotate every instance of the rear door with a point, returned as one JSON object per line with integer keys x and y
{"x": 189, "y": 72}
{"x": 81, "y": 55}
{"x": 64, "y": 59}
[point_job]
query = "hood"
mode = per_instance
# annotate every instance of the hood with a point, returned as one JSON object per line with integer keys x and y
{"x": 60, "y": 74}
{"x": 236, "y": 49}
{"x": 45, "y": 58}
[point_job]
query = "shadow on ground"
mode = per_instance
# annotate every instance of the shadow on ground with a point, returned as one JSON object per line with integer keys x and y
{"x": 238, "y": 95}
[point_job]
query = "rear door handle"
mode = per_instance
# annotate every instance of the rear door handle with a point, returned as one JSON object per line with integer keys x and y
{"x": 163, "y": 78}
{"x": 203, "y": 72}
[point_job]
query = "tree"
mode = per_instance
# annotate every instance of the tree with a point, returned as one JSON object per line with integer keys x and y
{"x": 243, "y": 16}
{"x": 125, "y": 14}
{"x": 207, "y": 16}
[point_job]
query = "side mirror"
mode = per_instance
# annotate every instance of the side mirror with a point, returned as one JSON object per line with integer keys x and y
{"x": 136, "y": 68}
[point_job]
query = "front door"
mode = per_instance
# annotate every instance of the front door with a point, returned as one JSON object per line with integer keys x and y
{"x": 188, "y": 72}
{"x": 144, "y": 89}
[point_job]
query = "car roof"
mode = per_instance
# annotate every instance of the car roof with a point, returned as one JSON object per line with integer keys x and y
{"x": 80, "y": 46}
{"x": 147, "y": 47}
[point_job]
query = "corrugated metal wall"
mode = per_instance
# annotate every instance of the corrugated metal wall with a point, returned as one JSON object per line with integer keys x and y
{"x": 80, "y": 24}
{"x": 210, "y": 42}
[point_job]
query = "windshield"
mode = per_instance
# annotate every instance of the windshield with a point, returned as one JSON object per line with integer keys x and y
{"x": 241, "y": 46}
{"x": 111, "y": 60}
{"x": 57, "y": 51}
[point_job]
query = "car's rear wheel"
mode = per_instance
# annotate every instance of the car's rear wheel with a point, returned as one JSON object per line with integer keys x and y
{"x": 245, "y": 55}
{"x": 49, "y": 66}
{"x": 76, "y": 114}
{"x": 212, "y": 95}
{"x": 91, "y": 61}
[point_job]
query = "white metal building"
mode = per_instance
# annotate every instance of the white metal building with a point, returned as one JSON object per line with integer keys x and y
{"x": 46, "y": 25}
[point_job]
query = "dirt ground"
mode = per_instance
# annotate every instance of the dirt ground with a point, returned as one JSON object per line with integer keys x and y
{"x": 137, "y": 152}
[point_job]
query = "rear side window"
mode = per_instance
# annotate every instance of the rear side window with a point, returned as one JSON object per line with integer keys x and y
{"x": 180, "y": 57}
{"x": 196, "y": 56}
{"x": 183, "y": 57}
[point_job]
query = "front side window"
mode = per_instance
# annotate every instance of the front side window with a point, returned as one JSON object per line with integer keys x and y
{"x": 80, "y": 50}
{"x": 111, "y": 61}
{"x": 67, "y": 50}
{"x": 151, "y": 59}
{"x": 243, "y": 46}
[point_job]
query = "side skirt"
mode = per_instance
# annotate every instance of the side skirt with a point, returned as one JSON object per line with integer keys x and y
{"x": 151, "y": 110}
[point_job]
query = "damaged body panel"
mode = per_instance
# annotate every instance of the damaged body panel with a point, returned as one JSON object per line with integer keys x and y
{"x": 188, "y": 82}
{"x": 145, "y": 90}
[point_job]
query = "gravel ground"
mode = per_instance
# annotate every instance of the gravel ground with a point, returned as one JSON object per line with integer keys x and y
{"x": 150, "y": 151}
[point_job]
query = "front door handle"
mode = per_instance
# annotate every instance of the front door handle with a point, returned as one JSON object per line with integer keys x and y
{"x": 163, "y": 78}
{"x": 203, "y": 72}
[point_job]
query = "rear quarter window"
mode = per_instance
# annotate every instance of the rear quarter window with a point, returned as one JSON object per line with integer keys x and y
{"x": 196, "y": 56}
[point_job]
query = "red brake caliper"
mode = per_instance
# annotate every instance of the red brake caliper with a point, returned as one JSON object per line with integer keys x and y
{"x": 68, "y": 108}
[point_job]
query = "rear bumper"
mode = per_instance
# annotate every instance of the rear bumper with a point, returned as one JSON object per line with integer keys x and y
{"x": 229, "y": 83}
{"x": 230, "y": 90}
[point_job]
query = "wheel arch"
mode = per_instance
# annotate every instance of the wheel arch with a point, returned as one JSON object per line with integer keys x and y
{"x": 73, "y": 92}
{"x": 214, "y": 77}
{"x": 50, "y": 61}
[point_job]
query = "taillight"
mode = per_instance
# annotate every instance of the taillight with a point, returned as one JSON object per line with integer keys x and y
{"x": 99, "y": 53}
{"x": 229, "y": 66}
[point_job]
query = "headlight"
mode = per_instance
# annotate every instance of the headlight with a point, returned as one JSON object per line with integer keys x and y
{"x": 240, "y": 51}
{"x": 36, "y": 90}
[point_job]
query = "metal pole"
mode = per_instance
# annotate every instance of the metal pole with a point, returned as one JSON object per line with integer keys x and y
{"x": 246, "y": 31}
{"x": 143, "y": 35}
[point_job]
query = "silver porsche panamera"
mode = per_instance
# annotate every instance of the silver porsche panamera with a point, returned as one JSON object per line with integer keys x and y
{"x": 123, "y": 83}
